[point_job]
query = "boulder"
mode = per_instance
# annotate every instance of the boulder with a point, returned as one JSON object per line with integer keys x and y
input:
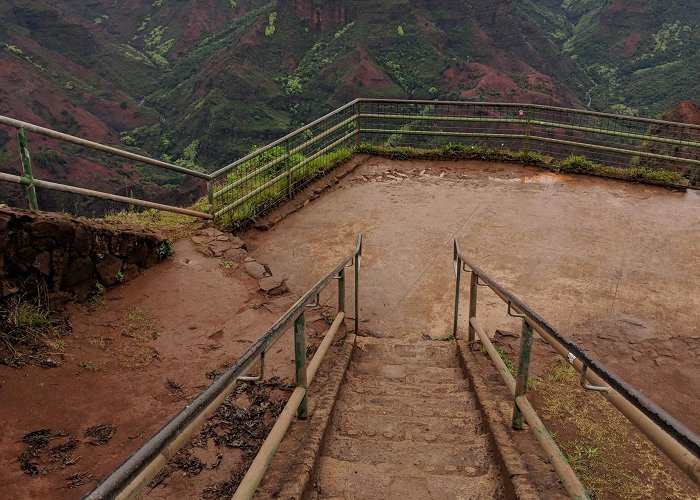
{"x": 255, "y": 270}
{"x": 273, "y": 286}
{"x": 42, "y": 263}
{"x": 235, "y": 255}
{"x": 78, "y": 271}
{"x": 108, "y": 268}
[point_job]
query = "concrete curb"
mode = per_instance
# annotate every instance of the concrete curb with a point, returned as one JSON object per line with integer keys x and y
{"x": 522, "y": 479}
{"x": 311, "y": 439}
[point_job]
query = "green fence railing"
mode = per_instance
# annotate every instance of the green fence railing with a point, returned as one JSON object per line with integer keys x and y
{"x": 251, "y": 186}
{"x": 246, "y": 189}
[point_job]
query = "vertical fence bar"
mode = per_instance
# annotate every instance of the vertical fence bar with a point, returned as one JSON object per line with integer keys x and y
{"x": 358, "y": 259}
{"x": 27, "y": 167}
{"x": 523, "y": 370}
{"x": 357, "y": 125}
{"x": 288, "y": 163}
{"x": 210, "y": 196}
{"x": 458, "y": 279}
{"x": 341, "y": 291}
{"x": 300, "y": 362}
{"x": 472, "y": 307}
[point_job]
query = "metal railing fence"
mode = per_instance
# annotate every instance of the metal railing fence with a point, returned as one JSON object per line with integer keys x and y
{"x": 137, "y": 471}
{"x": 249, "y": 187}
{"x": 31, "y": 183}
{"x": 613, "y": 140}
{"x": 675, "y": 440}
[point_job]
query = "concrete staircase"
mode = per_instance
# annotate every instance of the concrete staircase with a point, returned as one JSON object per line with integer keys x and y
{"x": 405, "y": 426}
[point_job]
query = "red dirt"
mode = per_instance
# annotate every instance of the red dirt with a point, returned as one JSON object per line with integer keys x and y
{"x": 204, "y": 317}
{"x": 684, "y": 112}
{"x": 630, "y": 44}
{"x": 364, "y": 73}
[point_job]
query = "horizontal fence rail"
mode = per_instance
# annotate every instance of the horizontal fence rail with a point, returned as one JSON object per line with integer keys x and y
{"x": 137, "y": 471}
{"x": 675, "y": 440}
{"x": 246, "y": 189}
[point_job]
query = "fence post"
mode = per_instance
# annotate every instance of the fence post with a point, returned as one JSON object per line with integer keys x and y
{"x": 300, "y": 362}
{"x": 357, "y": 125}
{"x": 358, "y": 259}
{"x": 288, "y": 163}
{"x": 27, "y": 167}
{"x": 522, "y": 375}
{"x": 341, "y": 291}
{"x": 472, "y": 307}
{"x": 458, "y": 280}
{"x": 210, "y": 195}
{"x": 528, "y": 119}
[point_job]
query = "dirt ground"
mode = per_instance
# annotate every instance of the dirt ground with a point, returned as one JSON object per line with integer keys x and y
{"x": 614, "y": 265}
{"x": 129, "y": 365}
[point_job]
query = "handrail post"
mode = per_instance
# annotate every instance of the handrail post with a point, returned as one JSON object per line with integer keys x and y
{"x": 288, "y": 164}
{"x": 341, "y": 291}
{"x": 357, "y": 125}
{"x": 358, "y": 260}
{"x": 27, "y": 167}
{"x": 300, "y": 362}
{"x": 458, "y": 280}
{"x": 210, "y": 196}
{"x": 472, "y": 307}
{"x": 523, "y": 371}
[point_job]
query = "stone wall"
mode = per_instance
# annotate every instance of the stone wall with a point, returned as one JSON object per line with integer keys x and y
{"x": 72, "y": 255}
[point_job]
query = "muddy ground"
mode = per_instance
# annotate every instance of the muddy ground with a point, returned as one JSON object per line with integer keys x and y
{"x": 614, "y": 265}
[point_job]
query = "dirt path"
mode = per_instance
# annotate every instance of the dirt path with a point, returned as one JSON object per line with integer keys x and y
{"x": 590, "y": 255}
{"x": 406, "y": 426}
{"x": 128, "y": 366}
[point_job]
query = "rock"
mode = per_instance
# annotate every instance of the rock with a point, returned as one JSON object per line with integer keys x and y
{"x": 211, "y": 232}
{"x": 108, "y": 268}
{"x": 249, "y": 259}
{"x": 42, "y": 263}
{"x": 200, "y": 240}
{"x": 6, "y": 289}
{"x": 83, "y": 290}
{"x": 130, "y": 272}
{"x": 59, "y": 261}
{"x": 236, "y": 241}
{"x": 217, "y": 248}
{"x": 273, "y": 286}
{"x": 43, "y": 244}
{"x": 138, "y": 255}
{"x": 82, "y": 243}
{"x": 636, "y": 355}
{"x": 255, "y": 270}
{"x": 78, "y": 271}
{"x": 235, "y": 255}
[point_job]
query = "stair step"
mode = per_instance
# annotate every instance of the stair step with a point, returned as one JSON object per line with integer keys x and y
{"x": 406, "y": 373}
{"x": 472, "y": 452}
{"x": 361, "y": 385}
{"x": 406, "y": 404}
{"x": 361, "y": 480}
{"x": 440, "y": 354}
{"x": 405, "y": 427}
{"x": 372, "y": 409}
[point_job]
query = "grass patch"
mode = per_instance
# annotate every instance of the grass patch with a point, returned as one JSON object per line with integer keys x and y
{"x": 139, "y": 328}
{"x": 29, "y": 332}
{"x": 504, "y": 357}
{"x": 612, "y": 459}
{"x": 571, "y": 165}
{"x": 174, "y": 225}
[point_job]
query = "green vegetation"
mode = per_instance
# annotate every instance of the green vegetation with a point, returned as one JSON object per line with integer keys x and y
{"x": 571, "y": 165}
{"x": 28, "y": 329}
{"x": 610, "y": 457}
{"x": 165, "y": 249}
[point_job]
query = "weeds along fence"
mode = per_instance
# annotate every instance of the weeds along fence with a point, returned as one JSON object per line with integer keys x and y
{"x": 571, "y": 140}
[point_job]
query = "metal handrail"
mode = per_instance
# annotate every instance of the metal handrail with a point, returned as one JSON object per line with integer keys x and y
{"x": 137, "y": 470}
{"x": 673, "y": 438}
{"x": 517, "y": 105}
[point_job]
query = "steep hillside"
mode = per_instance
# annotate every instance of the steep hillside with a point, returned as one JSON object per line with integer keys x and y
{"x": 642, "y": 54}
{"x": 200, "y": 83}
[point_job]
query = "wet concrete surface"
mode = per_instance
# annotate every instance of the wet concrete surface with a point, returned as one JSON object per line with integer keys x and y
{"x": 611, "y": 264}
